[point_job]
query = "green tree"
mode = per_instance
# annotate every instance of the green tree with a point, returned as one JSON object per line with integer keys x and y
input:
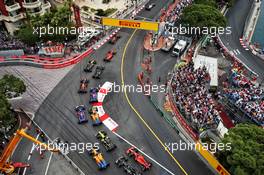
{"x": 211, "y": 3}
{"x": 10, "y": 83}
{"x": 6, "y": 117}
{"x": 26, "y": 34}
{"x": 56, "y": 18}
{"x": 199, "y": 15}
{"x": 246, "y": 156}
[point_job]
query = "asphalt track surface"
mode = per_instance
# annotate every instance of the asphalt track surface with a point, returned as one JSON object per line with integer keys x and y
{"x": 236, "y": 19}
{"x": 57, "y": 117}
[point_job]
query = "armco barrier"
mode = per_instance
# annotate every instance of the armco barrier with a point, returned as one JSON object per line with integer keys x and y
{"x": 181, "y": 119}
{"x": 211, "y": 159}
{"x": 70, "y": 62}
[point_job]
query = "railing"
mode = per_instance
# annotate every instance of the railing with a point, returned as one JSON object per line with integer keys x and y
{"x": 46, "y": 6}
{"x": 16, "y": 17}
{"x": 13, "y": 7}
{"x": 32, "y": 4}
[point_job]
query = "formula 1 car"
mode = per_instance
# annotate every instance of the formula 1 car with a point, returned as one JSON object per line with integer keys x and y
{"x": 83, "y": 86}
{"x": 122, "y": 162}
{"x": 145, "y": 165}
{"x": 98, "y": 72}
{"x": 99, "y": 159}
{"x": 95, "y": 116}
{"x": 109, "y": 56}
{"x": 93, "y": 95}
{"x": 114, "y": 39}
{"x": 105, "y": 140}
{"x": 89, "y": 67}
{"x": 80, "y": 112}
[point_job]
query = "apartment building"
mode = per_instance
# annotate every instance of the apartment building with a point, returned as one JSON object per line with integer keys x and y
{"x": 13, "y": 12}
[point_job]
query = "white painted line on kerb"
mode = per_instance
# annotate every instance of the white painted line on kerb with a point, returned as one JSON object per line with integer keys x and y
{"x": 47, "y": 168}
{"x": 31, "y": 151}
{"x": 163, "y": 167}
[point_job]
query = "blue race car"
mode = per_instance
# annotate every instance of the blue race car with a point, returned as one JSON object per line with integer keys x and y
{"x": 80, "y": 111}
{"x": 93, "y": 95}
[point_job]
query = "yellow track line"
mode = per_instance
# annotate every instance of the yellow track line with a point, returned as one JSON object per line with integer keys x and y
{"x": 137, "y": 113}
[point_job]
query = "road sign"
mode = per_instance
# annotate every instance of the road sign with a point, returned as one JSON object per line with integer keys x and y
{"x": 134, "y": 24}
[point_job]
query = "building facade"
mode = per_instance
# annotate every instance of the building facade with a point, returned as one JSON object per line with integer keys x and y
{"x": 13, "y": 12}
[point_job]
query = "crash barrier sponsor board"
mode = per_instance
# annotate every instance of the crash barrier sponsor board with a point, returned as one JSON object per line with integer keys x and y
{"x": 103, "y": 91}
{"x": 211, "y": 159}
{"x": 134, "y": 24}
{"x": 105, "y": 118}
{"x": 70, "y": 62}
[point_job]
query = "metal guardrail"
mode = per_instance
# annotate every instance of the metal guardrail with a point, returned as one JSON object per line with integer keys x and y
{"x": 167, "y": 118}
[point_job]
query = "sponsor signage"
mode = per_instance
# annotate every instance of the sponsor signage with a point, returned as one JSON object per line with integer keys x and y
{"x": 134, "y": 24}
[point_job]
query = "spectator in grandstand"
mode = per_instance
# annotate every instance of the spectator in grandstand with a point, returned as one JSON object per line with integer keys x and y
{"x": 246, "y": 96}
{"x": 191, "y": 94}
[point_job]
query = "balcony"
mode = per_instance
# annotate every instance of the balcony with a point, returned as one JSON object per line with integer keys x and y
{"x": 17, "y": 17}
{"x": 32, "y": 5}
{"x": 46, "y": 6}
{"x": 11, "y": 8}
{"x": 60, "y": 1}
{"x": 41, "y": 12}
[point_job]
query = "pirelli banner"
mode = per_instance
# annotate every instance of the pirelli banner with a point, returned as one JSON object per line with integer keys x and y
{"x": 211, "y": 159}
{"x": 134, "y": 24}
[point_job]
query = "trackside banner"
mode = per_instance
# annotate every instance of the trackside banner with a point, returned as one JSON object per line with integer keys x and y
{"x": 211, "y": 159}
{"x": 104, "y": 117}
{"x": 134, "y": 24}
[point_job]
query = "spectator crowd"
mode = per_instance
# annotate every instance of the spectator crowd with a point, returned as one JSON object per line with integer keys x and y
{"x": 246, "y": 96}
{"x": 8, "y": 42}
{"x": 190, "y": 88}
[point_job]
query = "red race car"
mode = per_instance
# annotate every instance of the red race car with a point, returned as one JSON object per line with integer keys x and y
{"x": 83, "y": 86}
{"x": 114, "y": 39}
{"x": 109, "y": 56}
{"x": 139, "y": 158}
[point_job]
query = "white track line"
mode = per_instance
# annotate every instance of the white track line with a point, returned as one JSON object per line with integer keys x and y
{"x": 163, "y": 167}
{"x": 31, "y": 151}
{"x": 47, "y": 168}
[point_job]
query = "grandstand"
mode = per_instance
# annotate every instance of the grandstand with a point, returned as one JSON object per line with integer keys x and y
{"x": 190, "y": 88}
{"x": 245, "y": 95}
